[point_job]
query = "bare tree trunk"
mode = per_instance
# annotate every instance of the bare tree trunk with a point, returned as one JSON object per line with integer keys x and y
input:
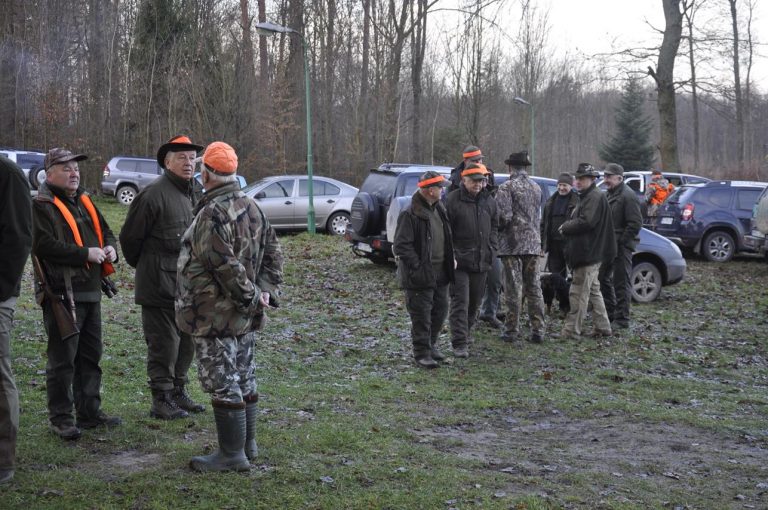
{"x": 665, "y": 87}
{"x": 737, "y": 86}
{"x": 418, "y": 49}
{"x": 689, "y": 11}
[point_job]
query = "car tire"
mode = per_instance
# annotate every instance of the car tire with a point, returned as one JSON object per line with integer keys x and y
{"x": 718, "y": 246}
{"x": 125, "y": 194}
{"x": 36, "y": 176}
{"x": 645, "y": 282}
{"x": 337, "y": 224}
{"x": 365, "y": 214}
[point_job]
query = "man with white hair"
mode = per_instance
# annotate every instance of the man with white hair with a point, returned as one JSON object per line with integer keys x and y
{"x": 151, "y": 240}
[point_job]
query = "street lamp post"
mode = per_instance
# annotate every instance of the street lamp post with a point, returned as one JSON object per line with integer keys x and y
{"x": 269, "y": 29}
{"x": 520, "y": 100}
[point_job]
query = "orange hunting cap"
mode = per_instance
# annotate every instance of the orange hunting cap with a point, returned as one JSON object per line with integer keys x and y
{"x": 220, "y": 158}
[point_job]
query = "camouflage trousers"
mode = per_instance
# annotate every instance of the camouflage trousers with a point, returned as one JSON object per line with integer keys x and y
{"x": 521, "y": 278}
{"x": 225, "y": 366}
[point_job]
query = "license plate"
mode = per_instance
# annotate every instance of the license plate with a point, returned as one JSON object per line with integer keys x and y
{"x": 666, "y": 221}
{"x": 364, "y": 247}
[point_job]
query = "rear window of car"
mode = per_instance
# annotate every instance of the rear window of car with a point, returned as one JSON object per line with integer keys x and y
{"x": 746, "y": 198}
{"x": 382, "y": 186}
{"x": 682, "y": 194}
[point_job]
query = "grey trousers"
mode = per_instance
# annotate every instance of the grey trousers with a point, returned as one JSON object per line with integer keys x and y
{"x": 169, "y": 351}
{"x": 466, "y": 293}
{"x": 9, "y": 395}
{"x": 490, "y": 305}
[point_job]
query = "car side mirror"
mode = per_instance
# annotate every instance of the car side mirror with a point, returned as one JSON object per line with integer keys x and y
{"x": 260, "y": 195}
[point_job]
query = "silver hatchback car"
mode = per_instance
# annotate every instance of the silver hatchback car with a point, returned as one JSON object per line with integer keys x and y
{"x": 285, "y": 200}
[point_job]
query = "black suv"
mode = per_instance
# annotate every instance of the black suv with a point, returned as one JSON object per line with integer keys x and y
{"x": 712, "y": 218}
{"x": 371, "y": 228}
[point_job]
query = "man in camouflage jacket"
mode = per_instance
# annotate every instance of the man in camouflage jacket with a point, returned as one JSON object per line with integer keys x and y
{"x": 151, "y": 240}
{"x": 519, "y": 204}
{"x": 229, "y": 271}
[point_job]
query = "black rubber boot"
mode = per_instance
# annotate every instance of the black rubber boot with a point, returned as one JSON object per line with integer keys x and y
{"x": 164, "y": 407}
{"x": 230, "y": 428}
{"x": 251, "y": 413}
{"x": 184, "y": 401}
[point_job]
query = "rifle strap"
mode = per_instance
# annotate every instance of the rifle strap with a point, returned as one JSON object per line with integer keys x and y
{"x": 67, "y": 271}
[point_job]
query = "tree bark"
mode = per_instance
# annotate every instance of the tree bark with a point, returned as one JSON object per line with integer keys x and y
{"x": 663, "y": 75}
{"x": 737, "y": 86}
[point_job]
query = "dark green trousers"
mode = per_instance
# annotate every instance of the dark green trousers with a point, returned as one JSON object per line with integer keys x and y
{"x": 169, "y": 351}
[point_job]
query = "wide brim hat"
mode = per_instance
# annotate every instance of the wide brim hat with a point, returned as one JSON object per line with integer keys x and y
{"x": 518, "y": 159}
{"x": 176, "y": 144}
{"x": 586, "y": 170}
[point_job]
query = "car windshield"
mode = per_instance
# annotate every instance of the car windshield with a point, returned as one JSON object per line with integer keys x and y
{"x": 681, "y": 194}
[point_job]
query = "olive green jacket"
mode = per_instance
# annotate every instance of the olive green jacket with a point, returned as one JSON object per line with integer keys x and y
{"x": 151, "y": 236}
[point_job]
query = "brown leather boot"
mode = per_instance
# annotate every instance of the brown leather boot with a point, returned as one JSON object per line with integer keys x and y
{"x": 184, "y": 401}
{"x": 165, "y": 408}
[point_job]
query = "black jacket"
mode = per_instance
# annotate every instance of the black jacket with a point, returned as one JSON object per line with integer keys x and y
{"x": 15, "y": 227}
{"x": 546, "y": 218}
{"x": 627, "y": 218}
{"x": 413, "y": 245}
{"x": 589, "y": 233}
{"x": 59, "y": 253}
{"x": 474, "y": 224}
{"x": 151, "y": 236}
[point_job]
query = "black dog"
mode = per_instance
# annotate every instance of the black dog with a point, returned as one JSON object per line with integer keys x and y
{"x": 553, "y": 285}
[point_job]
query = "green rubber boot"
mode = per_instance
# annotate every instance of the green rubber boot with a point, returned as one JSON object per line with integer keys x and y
{"x": 230, "y": 427}
{"x": 251, "y": 413}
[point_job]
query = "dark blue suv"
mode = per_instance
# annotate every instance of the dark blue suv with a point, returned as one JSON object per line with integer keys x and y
{"x": 711, "y": 219}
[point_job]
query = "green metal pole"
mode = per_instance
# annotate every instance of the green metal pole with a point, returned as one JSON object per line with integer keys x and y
{"x": 533, "y": 142}
{"x": 310, "y": 190}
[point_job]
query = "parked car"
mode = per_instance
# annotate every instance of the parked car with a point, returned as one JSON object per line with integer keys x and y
{"x": 639, "y": 180}
{"x": 656, "y": 262}
{"x": 371, "y": 228}
{"x": 284, "y": 199}
{"x": 240, "y": 180}
{"x": 125, "y": 176}
{"x": 757, "y": 238}
{"x": 712, "y": 218}
{"x": 31, "y": 163}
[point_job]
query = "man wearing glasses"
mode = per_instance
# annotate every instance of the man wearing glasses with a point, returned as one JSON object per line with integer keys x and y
{"x": 151, "y": 242}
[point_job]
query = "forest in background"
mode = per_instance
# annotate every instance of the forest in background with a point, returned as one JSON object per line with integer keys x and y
{"x": 391, "y": 80}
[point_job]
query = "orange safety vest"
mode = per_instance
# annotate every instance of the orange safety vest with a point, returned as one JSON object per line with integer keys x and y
{"x": 661, "y": 194}
{"x": 106, "y": 267}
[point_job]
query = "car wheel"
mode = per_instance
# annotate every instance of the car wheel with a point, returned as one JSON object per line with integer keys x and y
{"x": 125, "y": 194}
{"x": 645, "y": 282}
{"x": 718, "y": 246}
{"x": 36, "y": 176}
{"x": 337, "y": 223}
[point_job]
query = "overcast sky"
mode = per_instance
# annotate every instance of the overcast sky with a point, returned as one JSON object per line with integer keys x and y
{"x": 594, "y": 26}
{"x": 588, "y": 27}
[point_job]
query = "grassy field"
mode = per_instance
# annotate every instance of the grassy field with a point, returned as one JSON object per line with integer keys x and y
{"x": 673, "y": 414}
